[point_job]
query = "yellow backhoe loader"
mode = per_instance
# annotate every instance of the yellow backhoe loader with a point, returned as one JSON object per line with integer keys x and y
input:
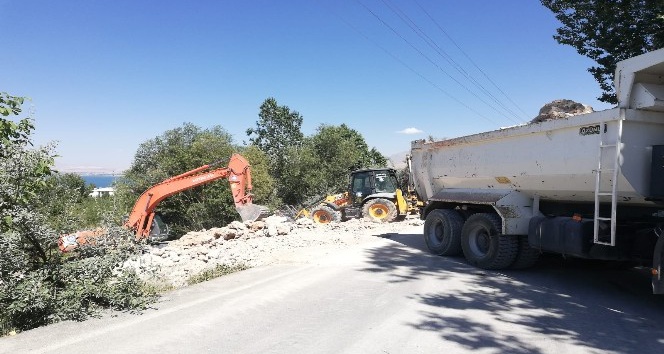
{"x": 372, "y": 193}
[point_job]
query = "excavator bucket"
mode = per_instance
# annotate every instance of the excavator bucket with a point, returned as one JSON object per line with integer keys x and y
{"x": 252, "y": 212}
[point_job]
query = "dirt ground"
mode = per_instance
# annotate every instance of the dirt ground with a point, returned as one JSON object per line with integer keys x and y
{"x": 270, "y": 241}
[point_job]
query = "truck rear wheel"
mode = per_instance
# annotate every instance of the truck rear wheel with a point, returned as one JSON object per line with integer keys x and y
{"x": 323, "y": 214}
{"x": 442, "y": 232}
{"x": 380, "y": 210}
{"x": 527, "y": 256}
{"x": 484, "y": 246}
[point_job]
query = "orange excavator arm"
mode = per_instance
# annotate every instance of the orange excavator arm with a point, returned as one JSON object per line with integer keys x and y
{"x": 142, "y": 215}
{"x": 238, "y": 172}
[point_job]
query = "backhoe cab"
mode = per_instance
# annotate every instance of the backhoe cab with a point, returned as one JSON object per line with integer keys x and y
{"x": 372, "y": 193}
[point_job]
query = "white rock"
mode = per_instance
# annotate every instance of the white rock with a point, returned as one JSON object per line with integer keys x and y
{"x": 304, "y": 221}
{"x": 257, "y": 225}
{"x": 272, "y": 231}
{"x": 284, "y": 229}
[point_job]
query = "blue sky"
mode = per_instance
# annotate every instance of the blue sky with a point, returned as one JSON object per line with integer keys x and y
{"x": 106, "y": 75}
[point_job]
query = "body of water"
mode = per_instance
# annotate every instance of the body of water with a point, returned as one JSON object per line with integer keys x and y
{"x": 100, "y": 181}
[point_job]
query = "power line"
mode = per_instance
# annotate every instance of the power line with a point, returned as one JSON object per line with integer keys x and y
{"x": 443, "y": 54}
{"x": 410, "y": 68}
{"x": 426, "y": 57}
{"x": 468, "y": 57}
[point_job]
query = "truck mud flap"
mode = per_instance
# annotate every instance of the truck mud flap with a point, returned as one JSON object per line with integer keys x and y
{"x": 658, "y": 257}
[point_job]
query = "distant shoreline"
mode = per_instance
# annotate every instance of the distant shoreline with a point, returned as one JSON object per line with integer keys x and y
{"x": 100, "y": 180}
{"x": 85, "y": 174}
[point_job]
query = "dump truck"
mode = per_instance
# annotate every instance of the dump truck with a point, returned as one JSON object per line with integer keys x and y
{"x": 589, "y": 186}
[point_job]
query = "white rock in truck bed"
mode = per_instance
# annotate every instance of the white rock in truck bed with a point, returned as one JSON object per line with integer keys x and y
{"x": 559, "y": 109}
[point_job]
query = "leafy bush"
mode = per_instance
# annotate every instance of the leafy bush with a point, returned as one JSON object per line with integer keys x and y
{"x": 69, "y": 287}
{"x": 38, "y": 284}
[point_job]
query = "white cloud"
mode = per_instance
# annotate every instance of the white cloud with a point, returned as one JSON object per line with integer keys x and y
{"x": 410, "y": 131}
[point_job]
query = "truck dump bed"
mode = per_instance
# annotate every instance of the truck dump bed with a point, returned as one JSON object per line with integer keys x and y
{"x": 559, "y": 159}
{"x": 556, "y": 160}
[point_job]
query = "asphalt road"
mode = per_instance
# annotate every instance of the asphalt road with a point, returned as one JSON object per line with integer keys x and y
{"x": 388, "y": 297}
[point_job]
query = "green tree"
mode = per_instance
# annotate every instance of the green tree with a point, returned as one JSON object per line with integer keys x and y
{"x": 307, "y": 176}
{"x": 38, "y": 285}
{"x": 23, "y": 172}
{"x": 345, "y": 148}
{"x": 11, "y": 132}
{"x": 177, "y": 151}
{"x": 263, "y": 184}
{"x": 608, "y": 31}
{"x": 59, "y": 183}
{"x": 66, "y": 202}
{"x": 277, "y": 129}
{"x": 322, "y": 164}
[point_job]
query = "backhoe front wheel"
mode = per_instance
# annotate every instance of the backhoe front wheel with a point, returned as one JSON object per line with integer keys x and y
{"x": 380, "y": 210}
{"x": 323, "y": 214}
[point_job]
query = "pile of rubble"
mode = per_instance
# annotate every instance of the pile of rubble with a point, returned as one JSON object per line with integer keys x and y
{"x": 560, "y": 109}
{"x": 251, "y": 244}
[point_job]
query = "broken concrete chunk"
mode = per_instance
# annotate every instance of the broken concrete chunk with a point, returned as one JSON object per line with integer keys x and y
{"x": 237, "y": 225}
{"x": 257, "y": 225}
{"x": 272, "y": 231}
{"x": 560, "y": 109}
{"x": 196, "y": 238}
{"x": 283, "y": 229}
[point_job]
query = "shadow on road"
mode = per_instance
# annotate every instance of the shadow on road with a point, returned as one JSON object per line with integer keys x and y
{"x": 558, "y": 301}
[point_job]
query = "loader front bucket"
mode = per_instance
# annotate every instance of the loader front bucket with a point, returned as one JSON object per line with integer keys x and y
{"x": 252, "y": 212}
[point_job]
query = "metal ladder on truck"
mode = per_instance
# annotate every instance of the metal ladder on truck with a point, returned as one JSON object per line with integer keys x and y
{"x": 609, "y": 149}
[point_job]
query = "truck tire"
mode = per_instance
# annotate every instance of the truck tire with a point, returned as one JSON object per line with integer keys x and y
{"x": 442, "y": 232}
{"x": 380, "y": 210}
{"x": 527, "y": 256}
{"x": 323, "y": 214}
{"x": 484, "y": 246}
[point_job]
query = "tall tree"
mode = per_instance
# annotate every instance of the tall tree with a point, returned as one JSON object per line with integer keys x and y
{"x": 177, "y": 151}
{"x": 64, "y": 194}
{"x": 345, "y": 148}
{"x": 608, "y": 31}
{"x": 323, "y": 163}
{"x": 276, "y": 130}
{"x": 37, "y": 284}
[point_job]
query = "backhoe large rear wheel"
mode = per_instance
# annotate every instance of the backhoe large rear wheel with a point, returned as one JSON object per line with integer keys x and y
{"x": 324, "y": 214}
{"x": 380, "y": 210}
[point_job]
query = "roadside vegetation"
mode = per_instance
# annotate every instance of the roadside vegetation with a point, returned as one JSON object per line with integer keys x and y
{"x": 40, "y": 285}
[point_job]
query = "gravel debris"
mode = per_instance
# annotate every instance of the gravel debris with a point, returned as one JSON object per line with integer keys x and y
{"x": 272, "y": 240}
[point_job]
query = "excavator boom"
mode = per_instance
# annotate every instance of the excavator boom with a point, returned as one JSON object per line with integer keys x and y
{"x": 238, "y": 173}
